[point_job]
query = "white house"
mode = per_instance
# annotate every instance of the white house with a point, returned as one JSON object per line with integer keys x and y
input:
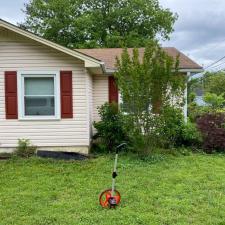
{"x": 50, "y": 94}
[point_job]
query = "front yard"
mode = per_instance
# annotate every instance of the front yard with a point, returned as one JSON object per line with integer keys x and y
{"x": 163, "y": 190}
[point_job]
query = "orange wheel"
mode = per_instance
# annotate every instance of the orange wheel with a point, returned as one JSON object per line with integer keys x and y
{"x": 106, "y": 195}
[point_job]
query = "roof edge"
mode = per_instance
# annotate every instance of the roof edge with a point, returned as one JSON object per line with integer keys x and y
{"x": 182, "y": 70}
{"x": 86, "y": 58}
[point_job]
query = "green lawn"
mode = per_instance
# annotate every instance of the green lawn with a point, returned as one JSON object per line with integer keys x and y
{"x": 163, "y": 190}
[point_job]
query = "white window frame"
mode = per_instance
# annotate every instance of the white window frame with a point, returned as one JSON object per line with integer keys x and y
{"x": 21, "y": 90}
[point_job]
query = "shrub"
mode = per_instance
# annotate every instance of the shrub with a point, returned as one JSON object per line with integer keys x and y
{"x": 213, "y": 104}
{"x": 166, "y": 130}
{"x": 111, "y": 128}
{"x": 141, "y": 140}
{"x": 214, "y": 101}
{"x": 25, "y": 149}
{"x": 174, "y": 132}
{"x": 170, "y": 125}
{"x": 142, "y": 144}
{"x": 195, "y": 111}
{"x": 190, "y": 136}
{"x": 211, "y": 125}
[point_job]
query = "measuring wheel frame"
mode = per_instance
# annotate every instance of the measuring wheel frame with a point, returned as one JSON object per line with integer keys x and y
{"x": 110, "y": 198}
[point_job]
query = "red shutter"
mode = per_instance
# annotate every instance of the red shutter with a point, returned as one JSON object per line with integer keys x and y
{"x": 66, "y": 94}
{"x": 113, "y": 90}
{"x": 11, "y": 106}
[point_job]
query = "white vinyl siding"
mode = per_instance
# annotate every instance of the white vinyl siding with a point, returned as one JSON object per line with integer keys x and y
{"x": 90, "y": 99}
{"x": 20, "y": 54}
{"x": 100, "y": 93}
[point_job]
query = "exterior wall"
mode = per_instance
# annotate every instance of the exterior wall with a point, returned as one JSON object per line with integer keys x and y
{"x": 100, "y": 93}
{"x": 90, "y": 102}
{"x": 185, "y": 109}
{"x": 19, "y": 53}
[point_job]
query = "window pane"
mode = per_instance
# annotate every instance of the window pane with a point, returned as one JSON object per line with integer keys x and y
{"x": 39, "y": 106}
{"x": 39, "y": 85}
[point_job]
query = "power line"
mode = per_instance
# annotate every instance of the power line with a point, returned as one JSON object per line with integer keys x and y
{"x": 212, "y": 64}
{"x": 214, "y": 67}
{"x": 223, "y": 69}
{"x": 217, "y": 65}
{"x": 215, "y": 62}
{"x": 214, "y": 47}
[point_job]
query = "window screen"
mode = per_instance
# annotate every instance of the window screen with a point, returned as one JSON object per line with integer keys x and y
{"x": 39, "y": 96}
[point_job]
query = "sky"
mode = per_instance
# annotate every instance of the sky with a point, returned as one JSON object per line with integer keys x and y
{"x": 199, "y": 31}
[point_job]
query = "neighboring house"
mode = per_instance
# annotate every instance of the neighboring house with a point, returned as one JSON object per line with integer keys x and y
{"x": 50, "y": 94}
{"x": 199, "y": 99}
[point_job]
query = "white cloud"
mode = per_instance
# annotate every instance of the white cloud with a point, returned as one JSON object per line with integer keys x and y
{"x": 199, "y": 30}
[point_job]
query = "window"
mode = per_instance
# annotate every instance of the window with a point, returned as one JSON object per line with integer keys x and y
{"x": 38, "y": 95}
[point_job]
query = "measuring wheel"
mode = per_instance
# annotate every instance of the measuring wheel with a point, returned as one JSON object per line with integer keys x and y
{"x": 108, "y": 199}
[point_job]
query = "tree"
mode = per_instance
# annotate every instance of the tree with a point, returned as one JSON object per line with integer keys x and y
{"x": 149, "y": 84}
{"x": 98, "y": 23}
{"x": 148, "y": 87}
{"x": 214, "y": 101}
{"x": 212, "y": 87}
{"x": 214, "y": 83}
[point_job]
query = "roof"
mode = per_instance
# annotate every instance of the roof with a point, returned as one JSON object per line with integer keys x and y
{"x": 108, "y": 56}
{"x": 90, "y": 61}
{"x": 102, "y": 58}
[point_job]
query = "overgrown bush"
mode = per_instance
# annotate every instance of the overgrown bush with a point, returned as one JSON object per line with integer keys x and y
{"x": 195, "y": 111}
{"x": 111, "y": 128}
{"x": 166, "y": 130}
{"x": 174, "y": 132}
{"x": 190, "y": 136}
{"x": 140, "y": 142}
{"x": 146, "y": 87}
{"x": 214, "y": 101}
{"x": 25, "y": 149}
{"x": 211, "y": 125}
{"x": 170, "y": 126}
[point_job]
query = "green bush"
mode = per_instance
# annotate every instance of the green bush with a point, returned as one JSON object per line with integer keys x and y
{"x": 170, "y": 126}
{"x": 141, "y": 144}
{"x": 174, "y": 132}
{"x": 195, "y": 111}
{"x": 25, "y": 149}
{"x": 165, "y": 130}
{"x": 214, "y": 101}
{"x": 214, "y": 104}
{"x": 190, "y": 136}
{"x": 111, "y": 129}
{"x": 141, "y": 140}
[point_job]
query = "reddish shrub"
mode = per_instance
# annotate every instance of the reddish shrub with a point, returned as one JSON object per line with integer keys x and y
{"x": 212, "y": 127}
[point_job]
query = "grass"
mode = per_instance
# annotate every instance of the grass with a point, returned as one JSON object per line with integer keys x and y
{"x": 163, "y": 189}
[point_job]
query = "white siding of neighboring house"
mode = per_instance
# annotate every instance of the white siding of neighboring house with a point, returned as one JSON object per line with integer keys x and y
{"x": 19, "y": 53}
{"x": 100, "y": 93}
